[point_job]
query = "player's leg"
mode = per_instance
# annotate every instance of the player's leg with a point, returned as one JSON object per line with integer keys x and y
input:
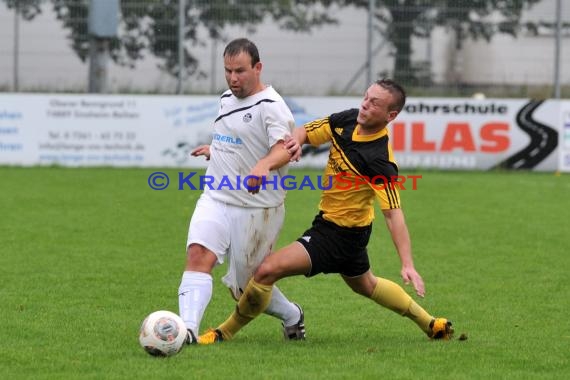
{"x": 195, "y": 290}
{"x": 392, "y": 296}
{"x": 290, "y": 313}
{"x": 253, "y": 233}
{"x": 206, "y": 246}
{"x": 288, "y": 261}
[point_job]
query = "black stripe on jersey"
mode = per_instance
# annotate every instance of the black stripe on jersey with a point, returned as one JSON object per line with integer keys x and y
{"x": 344, "y": 158}
{"x": 315, "y": 124}
{"x": 391, "y": 194}
{"x": 226, "y": 95}
{"x": 368, "y": 158}
{"x": 244, "y": 108}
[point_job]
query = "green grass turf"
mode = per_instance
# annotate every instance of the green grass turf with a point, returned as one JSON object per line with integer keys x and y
{"x": 86, "y": 254}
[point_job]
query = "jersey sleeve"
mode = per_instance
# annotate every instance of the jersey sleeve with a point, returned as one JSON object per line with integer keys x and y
{"x": 279, "y": 121}
{"x": 318, "y": 131}
{"x": 384, "y": 181}
{"x": 388, "y": 195}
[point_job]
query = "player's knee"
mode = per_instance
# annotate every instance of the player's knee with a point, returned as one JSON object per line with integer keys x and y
{"x": 363, "y": 285}
{"x": 200, "y": 259}
{"x": 266, "y": 273}
{"x": 363, "y": 291}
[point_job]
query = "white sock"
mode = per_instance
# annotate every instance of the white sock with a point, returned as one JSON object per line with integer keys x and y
{"x": 282, "y": 308}
{"x": 194, "y": 294}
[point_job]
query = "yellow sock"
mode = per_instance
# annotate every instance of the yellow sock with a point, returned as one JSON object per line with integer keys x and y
{"x": 253, "y": 302}
{"x": 393, "y": 297}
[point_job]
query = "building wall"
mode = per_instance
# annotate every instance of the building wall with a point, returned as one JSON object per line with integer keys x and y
{"x": 326, "y": 61}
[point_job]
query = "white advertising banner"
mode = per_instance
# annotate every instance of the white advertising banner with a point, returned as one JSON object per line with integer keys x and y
{"x": 565, "y": 137}
{"x": 465, "y": 134}
{"x": 160, "y": 131}
{"x": 76, "y": 130}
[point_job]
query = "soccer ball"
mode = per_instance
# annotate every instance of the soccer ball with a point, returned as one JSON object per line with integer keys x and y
{"x": 162, "y": 333}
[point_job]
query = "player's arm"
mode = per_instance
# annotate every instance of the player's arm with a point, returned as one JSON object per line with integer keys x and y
{"x": 300, "y": 135}
{"x": 396, "y": 224}
{"x": 294, "y": 143}
{"x": 277, "y": 157}
{"x": 316, "y": 132}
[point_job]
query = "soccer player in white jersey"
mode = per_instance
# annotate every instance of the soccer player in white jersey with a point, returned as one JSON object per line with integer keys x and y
{"x": 236, "y": 222}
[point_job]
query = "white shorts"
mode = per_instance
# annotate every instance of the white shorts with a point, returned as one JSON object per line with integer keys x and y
{"x": 243, "y": 235}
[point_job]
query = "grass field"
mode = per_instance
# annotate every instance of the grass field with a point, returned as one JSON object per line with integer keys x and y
{"x": 86, "y": 254}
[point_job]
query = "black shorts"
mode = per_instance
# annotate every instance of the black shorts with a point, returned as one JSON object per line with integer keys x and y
{"x": 335, "y": 249}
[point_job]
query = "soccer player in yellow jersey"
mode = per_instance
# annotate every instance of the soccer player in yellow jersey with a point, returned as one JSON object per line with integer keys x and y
{"x": 336, "y": 242}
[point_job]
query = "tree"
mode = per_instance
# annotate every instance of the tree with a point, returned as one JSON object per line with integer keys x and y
{"x": 151, "y": 25}
{"x": 28, "y": 9}
{"x": 403, "y": 19}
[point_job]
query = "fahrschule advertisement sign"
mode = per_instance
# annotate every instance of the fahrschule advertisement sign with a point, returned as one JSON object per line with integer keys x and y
{"x": 468, "y": 134}
{"x": 160, "y": 131}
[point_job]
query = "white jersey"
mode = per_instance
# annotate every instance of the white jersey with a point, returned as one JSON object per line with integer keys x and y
{"x": 244, "y": 132}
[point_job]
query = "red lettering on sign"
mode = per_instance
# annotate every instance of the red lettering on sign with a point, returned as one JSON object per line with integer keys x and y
{"x": 457, "y": 136}
{"x": 493, "y": 138}
{"x": 491, "y": 133}
{"x": 398, "y": 136}
{"x": 419, "y": 143}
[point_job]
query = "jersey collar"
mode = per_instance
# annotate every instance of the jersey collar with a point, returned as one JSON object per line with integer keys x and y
{"x": 356, "y": 137}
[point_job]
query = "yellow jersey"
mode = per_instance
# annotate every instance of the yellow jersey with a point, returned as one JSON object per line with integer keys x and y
{"x": 359, "y": 169}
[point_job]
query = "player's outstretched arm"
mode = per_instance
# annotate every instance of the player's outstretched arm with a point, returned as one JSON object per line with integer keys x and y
{"x": 294, "y": 143}
{"x": 276, "y": 158}
{"x": 396, "y": 224}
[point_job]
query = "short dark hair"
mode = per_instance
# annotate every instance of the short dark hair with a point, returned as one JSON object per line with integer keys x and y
{"x": 242, "y": 45}
{"x": 397, "y": 92}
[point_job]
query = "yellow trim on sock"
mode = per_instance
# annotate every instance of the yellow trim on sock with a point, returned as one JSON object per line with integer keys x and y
{"x": 254, "y": 301}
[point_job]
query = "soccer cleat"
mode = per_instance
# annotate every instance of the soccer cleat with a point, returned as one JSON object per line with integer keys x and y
{"x": 296, "y": 331}
{"x": 190, "y": 338}
{"x": 440, "y": 328}
{"x": 210, "y": 337}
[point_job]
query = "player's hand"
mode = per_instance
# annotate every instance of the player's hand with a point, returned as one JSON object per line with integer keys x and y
{"x": 202, "y": 150}
{"x": 294, "y": 149}
{"x": 253, "y": 184}
{"x": 256, "y": 177}
{"x": 410, "y": 275}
